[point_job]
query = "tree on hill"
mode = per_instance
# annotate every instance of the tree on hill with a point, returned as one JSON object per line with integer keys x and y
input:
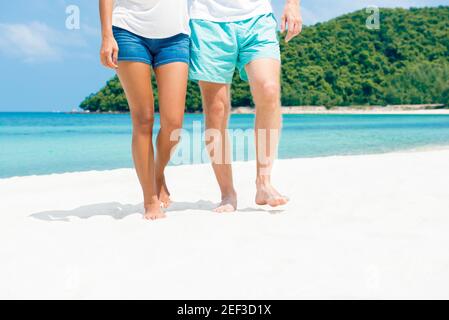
{"x": 341, "y": 62}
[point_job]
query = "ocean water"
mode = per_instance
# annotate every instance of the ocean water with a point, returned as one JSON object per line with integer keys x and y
{"x": 44, "y": 143}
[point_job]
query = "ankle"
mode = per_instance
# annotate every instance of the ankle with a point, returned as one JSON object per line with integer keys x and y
{"x": 228, "y": 194}
{"x": 151, "y": 203}
{"x": 263, "y": 180}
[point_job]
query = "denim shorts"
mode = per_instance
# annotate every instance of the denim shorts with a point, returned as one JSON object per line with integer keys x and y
{"x": 218, "y": 48}
{"x": 155, "y": 52}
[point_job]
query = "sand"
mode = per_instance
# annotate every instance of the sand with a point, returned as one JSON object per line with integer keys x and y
{"x": 374, "y": 226}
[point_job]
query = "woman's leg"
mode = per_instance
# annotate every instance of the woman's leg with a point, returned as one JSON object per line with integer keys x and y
{"x": 172, "y": 87}
{"x": 135, "y": 78}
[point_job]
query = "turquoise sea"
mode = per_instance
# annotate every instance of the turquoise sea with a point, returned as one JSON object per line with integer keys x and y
{"x": 43, "y": 143}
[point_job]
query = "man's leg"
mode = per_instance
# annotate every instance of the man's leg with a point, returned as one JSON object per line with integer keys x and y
{"x": 217, "y": 105}
{"x": 264, "y": 79}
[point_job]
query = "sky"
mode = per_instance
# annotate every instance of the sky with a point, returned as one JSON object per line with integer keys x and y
{"x": 46, "y": 66}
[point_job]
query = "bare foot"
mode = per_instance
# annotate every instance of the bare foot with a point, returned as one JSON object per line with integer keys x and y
{"x": 228, "y": 204}
{"x": 268, "y": 195}
{"x": 154, "y": 212}
{"x": 164, "y": 194}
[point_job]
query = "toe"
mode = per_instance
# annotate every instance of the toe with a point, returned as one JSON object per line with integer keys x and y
{"x": 228, "y": 208}
{"x": 284, "y": 200}
{"x": 224, "y": 208}
{"x": 273, "y": 202}
{"x": 280, "y": 201}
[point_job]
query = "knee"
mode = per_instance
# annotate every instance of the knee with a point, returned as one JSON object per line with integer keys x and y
{"x": 171, "y": 124}
{"x": 143, "y": 123}
{"x": 271, "y": 94}
{"x": 217, "y": 110}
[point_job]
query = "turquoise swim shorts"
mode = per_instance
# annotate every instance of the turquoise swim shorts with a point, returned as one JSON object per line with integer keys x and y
{"x": 217, "y": 48}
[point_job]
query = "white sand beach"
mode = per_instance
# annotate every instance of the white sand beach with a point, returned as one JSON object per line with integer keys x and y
{"x": 374, "y": 226}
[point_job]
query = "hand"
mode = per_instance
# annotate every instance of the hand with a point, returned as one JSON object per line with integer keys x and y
{"x": 291, "y": 18}
{"x": 109, "y": 52}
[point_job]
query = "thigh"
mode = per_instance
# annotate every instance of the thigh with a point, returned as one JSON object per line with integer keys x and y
{"x": 172, "y": 88}
{"x": 264, "y": 78}
{"x": 135, "y": 78}
{"x": 260, "y": 41}
{"x": 214, "y": 94}
{"x": 214, "y": 51}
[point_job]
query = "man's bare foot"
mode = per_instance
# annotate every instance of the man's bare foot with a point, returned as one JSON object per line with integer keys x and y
{"x": 153, "y": 211}
{"x": 164, "y": 194}
{"x": 268, "y": 195}
{"x": 228, "y": 204}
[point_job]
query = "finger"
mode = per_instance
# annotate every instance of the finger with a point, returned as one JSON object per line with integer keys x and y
{"x": 290, "y": 34}
{"x": 295, "y": 29}
{"x": 115, "y": 58}
{"x": 101, "y": 56}
{"x": 109, "y": 62}
{"x": 299, "y": 26}
{"x": 102, "y": 59}
{"x": 283, "y": 23}
{"x": 289, "y": 28}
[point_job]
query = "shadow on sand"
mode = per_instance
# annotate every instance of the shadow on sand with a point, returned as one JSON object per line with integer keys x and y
{"x": 261, "y": 210}
{"x": 120, "y": 211}
{"x": 114, "y": 210}
{"x": 200, "y": 205}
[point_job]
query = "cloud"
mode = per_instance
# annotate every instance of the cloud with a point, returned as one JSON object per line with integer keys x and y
{"x": 29, "y": 42}
{"x": 322, "y": 10}
{"x": 37, "y": 42}
{"x": 326, "y": 9}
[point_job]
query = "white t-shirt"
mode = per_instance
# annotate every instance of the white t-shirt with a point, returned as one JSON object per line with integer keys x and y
{"x": 228, "y": 10}
{"x": 153, "y": 19}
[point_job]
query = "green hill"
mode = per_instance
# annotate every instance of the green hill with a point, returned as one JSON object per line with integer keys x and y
{"x": 341, "y": 62}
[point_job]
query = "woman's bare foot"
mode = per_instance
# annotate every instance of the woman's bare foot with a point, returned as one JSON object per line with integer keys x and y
{"x": 154, "y": 212}
{"x": 228, "y": 203}
{"x": 268, "y": 195}
{"x": 164, "y": 194}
